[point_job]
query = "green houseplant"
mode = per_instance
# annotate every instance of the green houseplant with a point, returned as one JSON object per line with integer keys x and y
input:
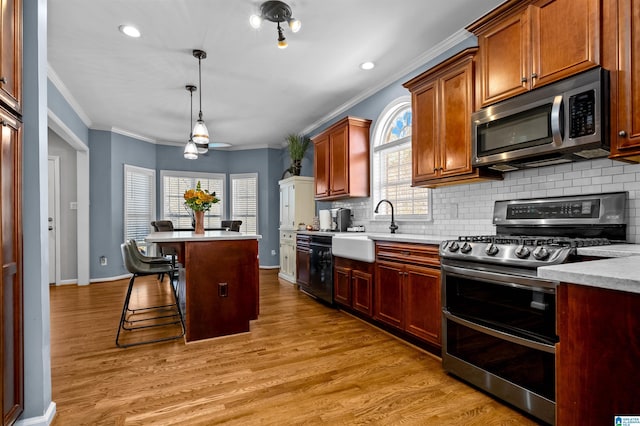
{"x": 297, "y": 146}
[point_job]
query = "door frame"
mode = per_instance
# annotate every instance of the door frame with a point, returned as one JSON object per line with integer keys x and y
{"x": 82, "y": 184}
{"x": 56, "y": 213}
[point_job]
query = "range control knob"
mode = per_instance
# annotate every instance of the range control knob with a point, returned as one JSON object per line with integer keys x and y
{"x": 522, "y": 252}
{"x": 453, "y": 246}
{"x": 540, "y": 253}
{"x": 466, "y": 248}
{"x": 491, "y": 249}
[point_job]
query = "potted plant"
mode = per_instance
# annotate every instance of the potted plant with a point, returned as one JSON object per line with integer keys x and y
{"x": 297, "y": 146}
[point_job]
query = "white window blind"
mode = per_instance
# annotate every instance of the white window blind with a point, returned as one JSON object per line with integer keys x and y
{"x": 139, "y": 203}
{"x": 392, "y": 165}
{"x": 244, "y": 201}
{"x": 175, "y": 183}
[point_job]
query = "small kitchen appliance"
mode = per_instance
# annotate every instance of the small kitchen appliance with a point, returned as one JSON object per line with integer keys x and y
{"x": 499, "y": 318}
{"x": 342, "y": 219}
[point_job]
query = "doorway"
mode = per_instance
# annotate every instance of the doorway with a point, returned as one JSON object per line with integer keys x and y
{"x": 54, "y": 219}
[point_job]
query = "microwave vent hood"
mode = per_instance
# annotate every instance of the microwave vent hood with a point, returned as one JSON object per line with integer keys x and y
{"x": 550, "y": 160}
{"x": 562, "y": 122}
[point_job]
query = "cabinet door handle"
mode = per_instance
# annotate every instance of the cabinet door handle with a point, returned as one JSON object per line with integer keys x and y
{"x": 3, "y": 80}
{"x": 523, "y": 80}
{"x": 534, "y": 75}
{"x": 622, "y": 134}
{"x": 435, "y": 169}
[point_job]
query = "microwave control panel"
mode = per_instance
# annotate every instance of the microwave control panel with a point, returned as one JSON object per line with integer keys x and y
{"x": 582, "y": 114}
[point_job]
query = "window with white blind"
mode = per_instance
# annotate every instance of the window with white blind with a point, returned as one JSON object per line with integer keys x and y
{"x": 392, "y": 165}
{"x": 173, "y": 186}
{"x": 139, "y": 203}
{"x": 244, "y": 201}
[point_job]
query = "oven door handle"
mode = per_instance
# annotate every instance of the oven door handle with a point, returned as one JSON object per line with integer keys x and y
{"x": 520, "y": 282}
{"x": 500, "y": 334}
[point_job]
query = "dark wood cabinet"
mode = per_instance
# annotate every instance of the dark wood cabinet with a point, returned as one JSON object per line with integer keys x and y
{"x": 442, "y": 103}
{"x": 597, "y": 355}
{"x": 303, "y": 259}
{"x": 353, "y": 285}
{"x": 11, "y": 280}
{"x": 341, "y": 160}
{"x": 11, "y": 55}
{"x": 407, "y": 289}
{"x": 527, "y": 44}
{"x": 622, "y": 51}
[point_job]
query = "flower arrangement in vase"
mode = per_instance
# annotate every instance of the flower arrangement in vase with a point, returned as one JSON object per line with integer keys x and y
{"x": 199, "y": 200}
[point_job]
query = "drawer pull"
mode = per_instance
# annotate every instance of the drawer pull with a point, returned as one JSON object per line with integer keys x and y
{"x": 405, "y": 253}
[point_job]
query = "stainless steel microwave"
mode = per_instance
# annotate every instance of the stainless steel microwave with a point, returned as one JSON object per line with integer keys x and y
{"x": 558, "y": 123}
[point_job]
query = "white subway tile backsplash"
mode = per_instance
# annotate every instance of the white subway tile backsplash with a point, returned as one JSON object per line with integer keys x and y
{"x": 475, "y": 201}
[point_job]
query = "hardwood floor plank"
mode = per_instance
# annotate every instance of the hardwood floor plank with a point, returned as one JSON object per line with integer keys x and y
{"x": 301, "y": 363}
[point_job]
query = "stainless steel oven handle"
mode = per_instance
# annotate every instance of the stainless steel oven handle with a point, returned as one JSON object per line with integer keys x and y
{"x": 520, "y": 282}
{"x": 556, "y": 130}
{"x": 500, "y": 334}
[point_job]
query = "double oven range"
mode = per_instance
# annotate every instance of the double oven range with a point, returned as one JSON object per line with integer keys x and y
{"x": 499, "y": 318}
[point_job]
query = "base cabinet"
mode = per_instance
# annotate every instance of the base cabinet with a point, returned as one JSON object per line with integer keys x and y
{"x": 597, "y": 355}
{"x": 288, "y": 256}
{"x": 407, "y": 289}
{"x": 353, "y": 285}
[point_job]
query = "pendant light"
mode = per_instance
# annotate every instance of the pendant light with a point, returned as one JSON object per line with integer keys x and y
{"x": 200, "y": 133}
{"x": 190, "y": 149}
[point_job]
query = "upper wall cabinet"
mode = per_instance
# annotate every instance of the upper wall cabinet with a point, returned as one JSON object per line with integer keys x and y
{"x": 10, "y": 54}
{"x": 341, "y": 160}
{"x": 527, "y": 44}
{"x": 442, "y": 102}
{"x": 622, "y": 57}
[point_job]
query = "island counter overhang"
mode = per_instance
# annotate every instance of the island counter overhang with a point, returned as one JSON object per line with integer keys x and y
{"x": 218, "y": 284}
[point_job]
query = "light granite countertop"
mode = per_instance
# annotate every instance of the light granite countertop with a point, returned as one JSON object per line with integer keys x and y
{"x": 620, "y": 271}
{"x": 381, "y": 236}
{"x": 177, "y": 236}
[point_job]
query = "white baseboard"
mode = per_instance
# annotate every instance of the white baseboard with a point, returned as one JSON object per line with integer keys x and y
{"x": 44, "y": 420}
{"x": 67, "y": 282}
{"x": 269, "y": 266}
{"x": 101, "y": 280}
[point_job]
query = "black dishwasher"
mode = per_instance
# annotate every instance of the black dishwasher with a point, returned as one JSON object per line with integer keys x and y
{"x": 320, "y": 283}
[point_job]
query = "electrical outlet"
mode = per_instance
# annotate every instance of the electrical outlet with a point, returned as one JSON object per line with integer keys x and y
{"x": 273, "y": 252}
{"x": 103, "y": 260}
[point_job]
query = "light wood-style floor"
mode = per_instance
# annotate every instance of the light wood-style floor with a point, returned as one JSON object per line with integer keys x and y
{"x": 302, "y": 363}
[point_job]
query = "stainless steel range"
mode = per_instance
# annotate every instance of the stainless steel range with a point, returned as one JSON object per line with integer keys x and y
{"x": 499, "y": 318}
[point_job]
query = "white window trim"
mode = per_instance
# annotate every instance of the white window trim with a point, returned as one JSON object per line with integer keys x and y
{"x": 191, "y": 174}
{"x": 144, "y": 171}
{"x": 377, "y": 135}
{"x": 245, "y": 176}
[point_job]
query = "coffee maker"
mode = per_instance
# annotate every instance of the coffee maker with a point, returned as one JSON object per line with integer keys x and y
{"x": 341, "y": 217}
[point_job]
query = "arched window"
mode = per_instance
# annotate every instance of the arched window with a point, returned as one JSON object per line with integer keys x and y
{"x": 392, "y": 165}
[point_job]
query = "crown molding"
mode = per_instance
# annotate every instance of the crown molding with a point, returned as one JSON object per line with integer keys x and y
{"x": 75, "y": 106}
{"x": 446, "y": 44}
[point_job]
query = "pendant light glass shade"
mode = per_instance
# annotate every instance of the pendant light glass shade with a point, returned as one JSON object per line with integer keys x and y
{"x": 190, "y": 151}
{"x": 200, "y": 132}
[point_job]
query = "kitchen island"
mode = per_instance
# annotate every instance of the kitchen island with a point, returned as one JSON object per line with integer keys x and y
{"x": 218, "y": 284}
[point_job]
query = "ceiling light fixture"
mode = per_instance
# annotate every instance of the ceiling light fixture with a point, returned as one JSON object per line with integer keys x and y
{"x": 276, "y": 11}
{"x": 367, "y": 66}
{"x": 200, "y": 132}
{"x": 190, "y": 149}
{"x": 129, "y": 30}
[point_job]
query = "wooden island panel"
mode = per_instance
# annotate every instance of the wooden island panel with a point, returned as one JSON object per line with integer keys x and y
{"x": 221, "y": 287}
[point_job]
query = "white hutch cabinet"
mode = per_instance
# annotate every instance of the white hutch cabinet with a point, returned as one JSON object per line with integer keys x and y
{"x": 296, "y": 206}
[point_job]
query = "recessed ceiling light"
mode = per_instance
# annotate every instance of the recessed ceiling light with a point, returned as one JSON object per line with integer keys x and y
{"x": 129, "y": 30}
{"x": 367, "y": 65}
